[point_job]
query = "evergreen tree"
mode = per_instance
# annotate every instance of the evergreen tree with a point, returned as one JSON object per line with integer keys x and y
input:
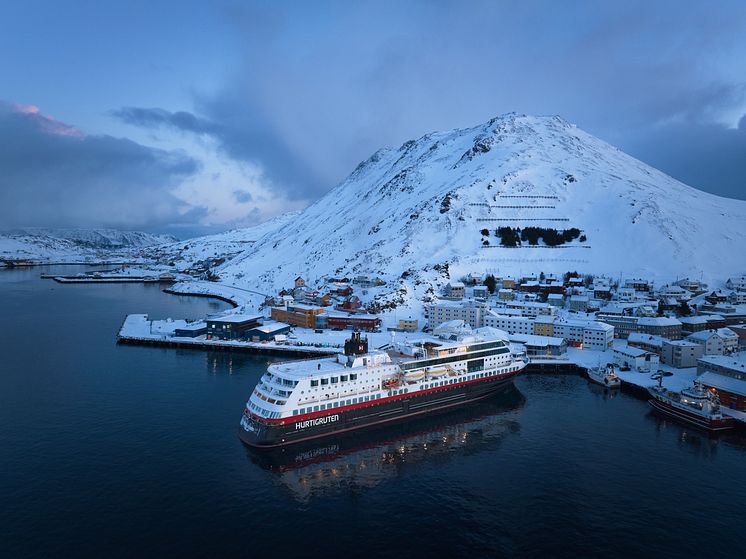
{"x": 491, "y": 283}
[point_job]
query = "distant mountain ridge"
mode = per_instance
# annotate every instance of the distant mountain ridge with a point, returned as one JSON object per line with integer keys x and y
{"x": 74, "y": 244}
{"x": 94, "y": 238}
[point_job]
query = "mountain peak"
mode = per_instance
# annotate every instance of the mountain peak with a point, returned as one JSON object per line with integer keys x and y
{"x": 517, "y": 194}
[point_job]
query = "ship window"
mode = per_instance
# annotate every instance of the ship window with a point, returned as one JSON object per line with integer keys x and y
{"x": 343, "y": 378}
{"x": 314, "y": 383}
{"x": 349, "y": 402}
{"x": 295, "y": 412}
{"x": 324, "y": 381}
{"x": 353, "y": 376}
{"x": 334, "y": 380}
{"x": 316, "y": 408}
{"x": 367, "y": 398}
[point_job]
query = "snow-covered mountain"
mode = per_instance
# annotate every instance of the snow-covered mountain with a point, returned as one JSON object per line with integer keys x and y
{"x": 221, "y": 246}
{"x": 429, "y": 211}
{"x": 73, "y": 244}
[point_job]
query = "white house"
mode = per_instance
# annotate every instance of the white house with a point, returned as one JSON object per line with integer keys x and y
{"x": 716, "y": 342}
{"x": 626, "y": 294}
{"x": 738, "y": 283}
{"x": 636, "y": 358}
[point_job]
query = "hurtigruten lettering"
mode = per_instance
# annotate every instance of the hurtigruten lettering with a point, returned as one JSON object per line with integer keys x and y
{"x": 317, "y": 421}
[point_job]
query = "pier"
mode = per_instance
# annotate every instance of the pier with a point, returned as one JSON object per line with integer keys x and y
{"x": 138, "y": 330}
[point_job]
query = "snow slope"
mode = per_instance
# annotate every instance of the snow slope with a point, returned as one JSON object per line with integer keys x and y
{"x": 186, "y": 254}
{"x": 413, "y": 215}
{"x": 67, "y": 245}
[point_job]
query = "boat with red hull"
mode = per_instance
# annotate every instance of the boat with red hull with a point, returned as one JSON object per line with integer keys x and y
{"x": 695, "y": 406}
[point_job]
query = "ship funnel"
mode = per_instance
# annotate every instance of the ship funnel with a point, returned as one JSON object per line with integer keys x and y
{"x": 356, "y": 345}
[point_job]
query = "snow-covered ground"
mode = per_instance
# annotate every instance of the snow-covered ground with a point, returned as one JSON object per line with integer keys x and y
{"x": 239, "y": 296}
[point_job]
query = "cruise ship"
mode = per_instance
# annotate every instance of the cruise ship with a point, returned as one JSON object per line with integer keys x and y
{"x": 303, "y": 400}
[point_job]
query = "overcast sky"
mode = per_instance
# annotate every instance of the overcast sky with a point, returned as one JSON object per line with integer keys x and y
{"x": 197, "y": 116}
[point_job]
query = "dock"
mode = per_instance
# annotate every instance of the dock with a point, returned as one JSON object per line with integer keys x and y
{"x": 101, "y": 278}
{"x": 138, "y": 330}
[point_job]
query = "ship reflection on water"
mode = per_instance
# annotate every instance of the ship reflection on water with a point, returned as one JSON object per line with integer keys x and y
{"x": 362, "y": 460}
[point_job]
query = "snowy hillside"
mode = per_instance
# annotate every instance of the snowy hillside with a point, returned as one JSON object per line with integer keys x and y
{"x": 417, "y": 215}
{"x": 74, "y": 244}
{"x": 222, "y": 246}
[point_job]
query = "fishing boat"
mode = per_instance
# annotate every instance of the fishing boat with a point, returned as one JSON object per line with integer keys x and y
{"x": 695, "y": 405}
{"x": 605, "y": 376}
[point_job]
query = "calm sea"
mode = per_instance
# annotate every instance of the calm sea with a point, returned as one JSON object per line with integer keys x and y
{"x": 121, "y": 451}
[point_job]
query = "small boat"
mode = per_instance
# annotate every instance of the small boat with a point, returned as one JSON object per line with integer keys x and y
{"x": 605, "y": 376}
{"x": 695, "y": 405}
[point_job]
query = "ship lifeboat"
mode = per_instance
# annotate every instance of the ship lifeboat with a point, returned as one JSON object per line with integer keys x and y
{"x": 413, "y": 376}
{"x": 390, "y": 382}
{"x": 437, "y": 373}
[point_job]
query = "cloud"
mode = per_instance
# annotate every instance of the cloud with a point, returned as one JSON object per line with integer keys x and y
{"x": 241, "y": 134}
{"x": 154, "y": 118}
{"x": 55, "y": 175}
{"x": 708, "y": 156}
{"x": 317, "y": 91}
{"x": 242, "y": 196}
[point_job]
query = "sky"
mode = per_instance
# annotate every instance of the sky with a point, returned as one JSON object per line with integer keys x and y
{"x": 193, "y": 117}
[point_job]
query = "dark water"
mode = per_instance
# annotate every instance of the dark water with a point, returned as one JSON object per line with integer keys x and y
{"x": 120, "y": 451}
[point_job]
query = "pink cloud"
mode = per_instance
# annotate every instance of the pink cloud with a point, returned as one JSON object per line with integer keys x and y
{"x": 48, "y": 124}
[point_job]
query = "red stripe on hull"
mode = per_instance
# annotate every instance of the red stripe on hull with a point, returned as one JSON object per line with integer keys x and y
{"x": 505, "y": 381}
{"x": 692, "y": 418}
{"x": 322, "y": 413}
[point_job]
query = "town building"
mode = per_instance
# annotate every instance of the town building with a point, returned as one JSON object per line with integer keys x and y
{"x": 510, "y": 323}
{"x": 540, "y": 345}
{"x": 556, "y": 300}
{"x": 191, "y": 330}
{"x": 267, "y": 331}
{"x": 408, "y": 324}
{"x": 716, "y": 342}
{"x": 636, "y": 358}
{"x": 727, "y": 376}
{"x": 639, "y": 285}
{"x": 691, "y": 324}
{"x": 480, "y": 292}
{"x": 544, "y": 325}
{"x": 585, "y": 334}
{"x": 505, "y": 294}
{"x": 674, "y": 292}
{"x": 681, "y": 354}
{"x": 299, "y": 282}
{"x": 470, "y": 311}
{"x": 366, "y": 322}
{"x": 740, "y": 331}
{"x": 579, "y": 303}
{"x": 531, "y": 308}
{"x": 231, "y": 327}
{"x": 662, "y": 326}
{"x": 737, "y": 298}
{"x": 626, "y": 294}
{"x": 737, "y": 282}
{"x": 623, "y": 325}
{"x": 303, "y": 316}
{"x": 653, "y": 344}
{"x": 455, "y": 290}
